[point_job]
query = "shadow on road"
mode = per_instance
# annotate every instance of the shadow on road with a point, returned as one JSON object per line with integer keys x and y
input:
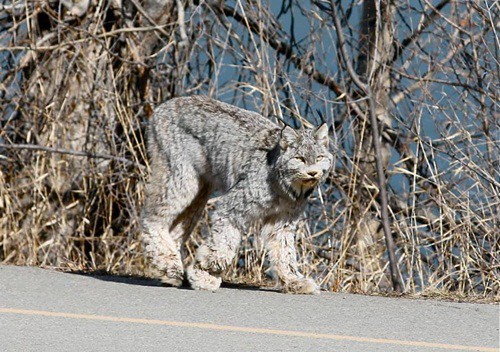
{"x": 147, "y": 281}
{"x": 123, "y": 279}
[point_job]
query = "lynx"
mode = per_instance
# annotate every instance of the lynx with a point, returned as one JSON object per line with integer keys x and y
{"x": 260, "y": 172}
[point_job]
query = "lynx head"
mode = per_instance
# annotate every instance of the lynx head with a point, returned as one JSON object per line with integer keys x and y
{"x": 302, "y": 160}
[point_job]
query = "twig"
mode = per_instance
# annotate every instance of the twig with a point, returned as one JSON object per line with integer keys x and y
{"x": 382, "y": 194}
{"x": 398, "y": 97}
{"x": 181, "y": 23}
{"x": 71, "y": 152}
{"x": 429, "y": 20}
{"x": 151, "y": 20}
{"x": 280, "y": 46}
{"x": 285, "y": 49}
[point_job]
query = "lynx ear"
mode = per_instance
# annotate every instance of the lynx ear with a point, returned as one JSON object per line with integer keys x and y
{"x": 288, "y": 136}
{"x": 321, "y": 135}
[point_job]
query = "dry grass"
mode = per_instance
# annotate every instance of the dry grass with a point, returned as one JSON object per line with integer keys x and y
{"x": 81, "y": 89}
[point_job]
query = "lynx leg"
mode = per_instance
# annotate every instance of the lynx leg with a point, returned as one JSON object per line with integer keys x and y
{"x": 162, "y": 251}
{"x": 214, "y": 256}
{"x": 280, "y": 245}
{"x": 185, "y": 222}
{"x": 166, "y": 218}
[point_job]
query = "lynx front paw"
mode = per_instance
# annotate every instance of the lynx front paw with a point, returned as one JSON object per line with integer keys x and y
{"x": 301, "y": 286}
{"x": 202, "y": 280}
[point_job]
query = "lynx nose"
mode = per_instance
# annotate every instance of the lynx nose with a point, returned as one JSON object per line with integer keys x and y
{"x": 313, "y": 173}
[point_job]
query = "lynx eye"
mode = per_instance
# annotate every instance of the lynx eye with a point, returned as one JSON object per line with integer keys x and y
{"x": 320, "y": 157}
{"x": 301, "y": 159}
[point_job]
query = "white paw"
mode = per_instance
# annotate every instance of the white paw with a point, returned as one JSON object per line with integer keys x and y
{"x": 202, "y": 280}
{"x": 302, "y": 286}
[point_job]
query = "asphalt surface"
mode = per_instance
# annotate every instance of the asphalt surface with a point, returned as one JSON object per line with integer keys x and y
{"x": 43, "y": 310}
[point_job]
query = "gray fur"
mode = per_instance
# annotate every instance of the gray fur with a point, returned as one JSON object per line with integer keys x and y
{"x": 199, "y": 146}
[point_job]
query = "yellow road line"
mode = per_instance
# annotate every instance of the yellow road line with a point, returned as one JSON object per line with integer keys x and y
{"x": 207, "y": 326}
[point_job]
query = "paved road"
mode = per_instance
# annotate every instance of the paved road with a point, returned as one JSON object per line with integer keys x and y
{"x": 43, "y": 310}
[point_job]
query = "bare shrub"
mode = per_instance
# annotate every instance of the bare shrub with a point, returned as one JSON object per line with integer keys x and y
{"x": 80, "y": 79}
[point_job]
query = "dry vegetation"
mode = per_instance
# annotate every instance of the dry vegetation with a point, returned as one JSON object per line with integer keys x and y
{"x": 79, "y": 80}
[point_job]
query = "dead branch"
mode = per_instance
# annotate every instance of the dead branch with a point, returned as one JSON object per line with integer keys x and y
{"x": 89, "y": 155}
{"x": 382, "y": 194}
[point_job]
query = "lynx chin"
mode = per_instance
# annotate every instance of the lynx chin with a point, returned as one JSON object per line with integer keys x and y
{"x": 260, "y": 172}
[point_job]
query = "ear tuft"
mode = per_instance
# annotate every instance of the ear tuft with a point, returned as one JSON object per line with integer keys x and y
{"x": 321, "y": 135}
{"x": 288, "y": 137}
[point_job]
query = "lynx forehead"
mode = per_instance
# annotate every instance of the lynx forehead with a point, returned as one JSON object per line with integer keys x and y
{"x": 262, "y": 172}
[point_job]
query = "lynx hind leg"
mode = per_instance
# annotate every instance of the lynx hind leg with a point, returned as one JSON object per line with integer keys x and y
{"x": 214, "y": 256}
{"x": 162, "y": 252}
{"x": 186, "y": 221}
{"x": 303, "y": 285}
{"x": 280, "y": 245}
{"x": 166, "y": 218}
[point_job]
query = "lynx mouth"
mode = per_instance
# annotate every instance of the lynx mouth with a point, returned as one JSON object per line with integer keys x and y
{"x": 311, "y": 181}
